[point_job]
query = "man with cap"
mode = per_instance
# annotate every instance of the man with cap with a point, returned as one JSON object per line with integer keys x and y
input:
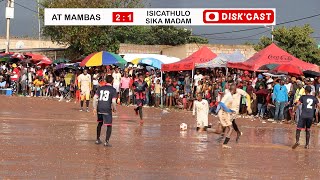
{"x": 308, "y": 103}
{"x": 259, "y": 82}
{"x": 14, "y": 78}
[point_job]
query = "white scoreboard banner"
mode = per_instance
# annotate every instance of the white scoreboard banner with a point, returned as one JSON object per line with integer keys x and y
{"x": 156, "y": 16}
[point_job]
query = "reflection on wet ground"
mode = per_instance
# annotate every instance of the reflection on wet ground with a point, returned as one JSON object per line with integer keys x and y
{"x": 35, "y": 145}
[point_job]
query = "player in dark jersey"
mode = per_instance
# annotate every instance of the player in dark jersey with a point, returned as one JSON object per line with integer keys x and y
{"x": 309, "y": 104}
{"x": 140, "y": 88}
{"x": 104, "y": 103}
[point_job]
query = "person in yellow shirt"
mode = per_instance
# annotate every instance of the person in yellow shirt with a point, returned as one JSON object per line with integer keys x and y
{"x": 38, "y": 83}
{"x": 147, "y": 79}
{"x": 157, "y": 91}
{"x": 299, "y": 92}
{"x": 84, "y": 84}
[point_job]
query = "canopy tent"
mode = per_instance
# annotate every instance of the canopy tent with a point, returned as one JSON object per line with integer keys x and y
{"x": 148, "y": 61}
{"x": 203, "y": 55}
{"x": 237, "y": 56}
{"x": 272, "y": 54}
{"x": 222, "y": 59}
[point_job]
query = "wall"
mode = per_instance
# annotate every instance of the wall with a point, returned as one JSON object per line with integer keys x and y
{"x": 29, "y": 43}
{"x": 175, "y": 51}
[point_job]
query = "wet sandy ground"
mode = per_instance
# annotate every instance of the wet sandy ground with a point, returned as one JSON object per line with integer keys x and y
{"x": 46, "y": 139}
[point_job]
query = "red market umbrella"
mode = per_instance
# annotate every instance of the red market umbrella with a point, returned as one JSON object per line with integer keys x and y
{"x": 289, "y": 68}
{"x": 36, "y": 57}
{"x": 45, "y": 61}
{"x": 18, "y": 56}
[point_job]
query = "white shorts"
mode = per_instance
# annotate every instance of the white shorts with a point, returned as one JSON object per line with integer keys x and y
{"x": 117, "y": 87}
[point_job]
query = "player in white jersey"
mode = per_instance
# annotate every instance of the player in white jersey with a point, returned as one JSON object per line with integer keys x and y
{"x": 84, "y": 85}
{"x": 201, "y": 108}
{"x": 230, "y": 103}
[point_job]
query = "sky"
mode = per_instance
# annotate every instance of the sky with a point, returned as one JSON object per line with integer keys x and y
{"x": 25, "y": 22}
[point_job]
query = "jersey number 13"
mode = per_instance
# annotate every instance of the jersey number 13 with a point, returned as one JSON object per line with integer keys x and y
{"x": 104, "y": 95}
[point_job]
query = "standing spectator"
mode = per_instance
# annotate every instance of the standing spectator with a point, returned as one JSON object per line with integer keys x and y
{"x": 116, "y": 80}
{"x": 157, "y": 91}
{"x": 262, "y": 94}
{"x": 24, "y": 82}
{"x": 147, "y": 79}
{"x": 259, "y": 82}
{"x": 198, "y": 77}
{"x": 299, "y": 92}
{"x": 95, "y": 82}
{"x": 310, "y": 82}
{"x": 269, "y": 82}
{"x": 187, "y": 84}
{"x": 280, "y": 98}
{"x": 125, "y": 85}
{"x": 62, "y": 88}
{"x": 288, "y": 85}
{"x": 14, "y": 78}
{"x": 170, "y": 91}
{"x": 317, "y": 86}
{"x": 157, "y": 78}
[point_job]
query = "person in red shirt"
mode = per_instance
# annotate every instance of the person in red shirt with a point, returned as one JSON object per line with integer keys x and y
{"x": 39, "y": 72}
{"x": 14, "y": 78}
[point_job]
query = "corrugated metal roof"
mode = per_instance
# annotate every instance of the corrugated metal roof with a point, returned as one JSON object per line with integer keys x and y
{"x": 35, "y": 50}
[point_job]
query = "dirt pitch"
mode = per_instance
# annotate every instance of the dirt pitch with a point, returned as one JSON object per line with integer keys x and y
{"x": 47, "y": 139}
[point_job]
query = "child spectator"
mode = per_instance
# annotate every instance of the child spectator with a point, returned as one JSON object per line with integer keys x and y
{"x": 38, "y": 83}
{"x": 157, "y": 91}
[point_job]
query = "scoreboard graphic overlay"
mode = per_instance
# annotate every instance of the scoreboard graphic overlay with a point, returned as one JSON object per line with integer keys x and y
{"x": 162, "y": 16}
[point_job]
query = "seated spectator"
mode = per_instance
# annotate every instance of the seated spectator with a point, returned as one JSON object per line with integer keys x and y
{"x": 3, "y": 82}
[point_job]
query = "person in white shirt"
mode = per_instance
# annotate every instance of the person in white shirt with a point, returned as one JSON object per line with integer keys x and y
{"x": 116, "y": 79}
{"x": 288, "y": 85}
{"x": 201, "y": 108}
{"x": 269, "y": 82}
{"x": 231, "y": 100}
{"x": 198, "y": 77}
{"x": 95, "y": 82}
{"x": 158, "y": 77}
{"x": 84, "y": 84}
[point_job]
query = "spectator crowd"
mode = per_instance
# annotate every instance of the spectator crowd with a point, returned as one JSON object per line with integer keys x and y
{"x": 273, "y": 98}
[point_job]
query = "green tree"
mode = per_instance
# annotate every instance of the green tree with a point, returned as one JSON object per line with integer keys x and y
{"x": 157, "y": 35}
{"x": 83, "y": 40}
{"x": 296, "y": 41}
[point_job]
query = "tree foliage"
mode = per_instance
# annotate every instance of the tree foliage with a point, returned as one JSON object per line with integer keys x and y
{"x": 296, "y": 41}
{"x": 83, "y": 40}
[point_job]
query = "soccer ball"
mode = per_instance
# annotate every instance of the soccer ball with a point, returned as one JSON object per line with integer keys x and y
{"x": 183, "y": 126}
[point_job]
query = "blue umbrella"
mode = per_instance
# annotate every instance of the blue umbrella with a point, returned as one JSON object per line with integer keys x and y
{"x": 151, "y": 62}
